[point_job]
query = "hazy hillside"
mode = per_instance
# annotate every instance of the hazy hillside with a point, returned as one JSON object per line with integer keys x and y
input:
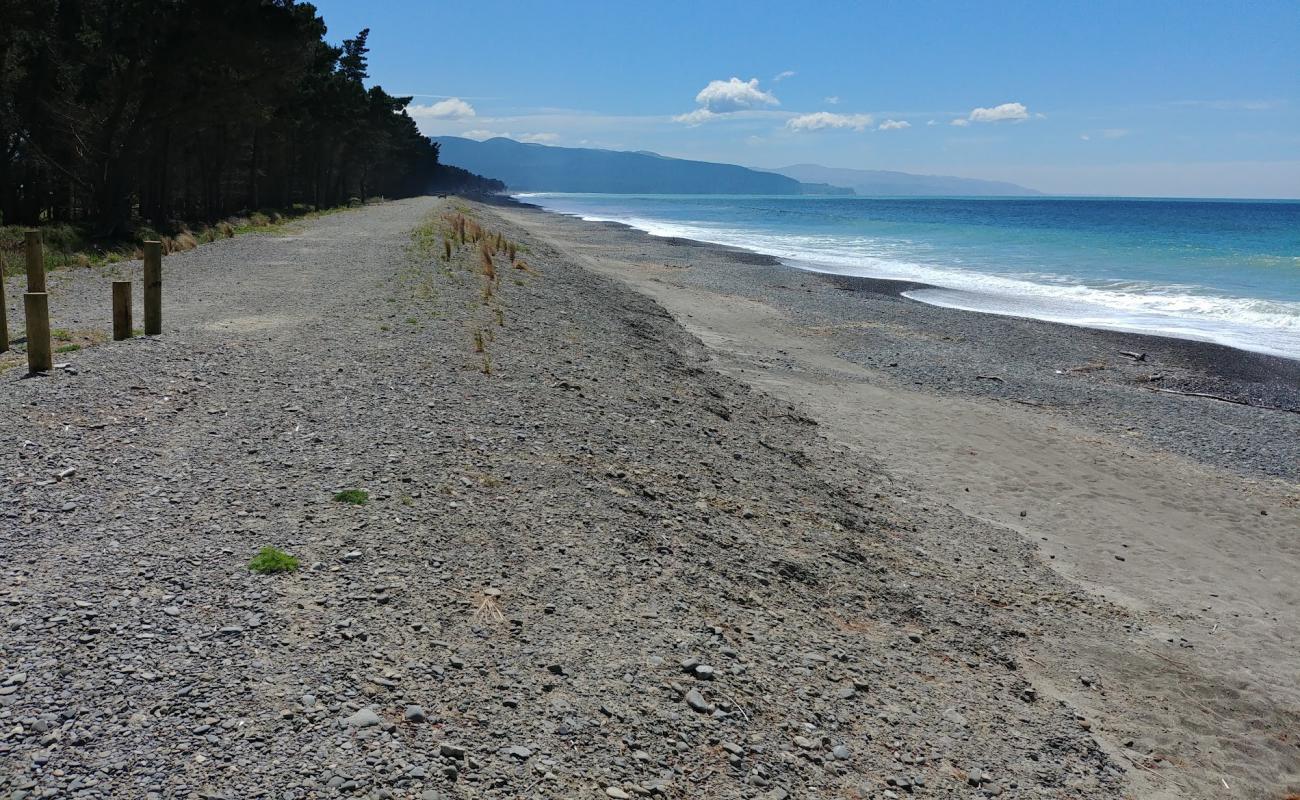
{"x": 886, "y": 183}
{"x": 536, "y": 167}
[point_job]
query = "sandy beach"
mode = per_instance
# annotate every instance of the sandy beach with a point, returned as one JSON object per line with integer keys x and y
{"x": 648, "y": 518}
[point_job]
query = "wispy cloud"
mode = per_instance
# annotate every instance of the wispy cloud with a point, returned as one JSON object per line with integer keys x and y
{"x": 1007, "y": 112}
{"x": 697, "y": 117}
{"x": 534, "y": 138}
{"x": 833, "y": 100}
{"x": 789, "y": 73}
{"x": 451, "y": 108}
{"x": 1105, "y": 133}
{"x": 894, "y": 125}
{"x": 1231, "y": 105}
{"x": 825, "y": 119}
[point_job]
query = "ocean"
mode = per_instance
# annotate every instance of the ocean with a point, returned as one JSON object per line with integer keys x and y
{"x": 1223, "y": 271}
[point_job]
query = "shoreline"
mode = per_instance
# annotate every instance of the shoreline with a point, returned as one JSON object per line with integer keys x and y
{"x": 1288, "y": 365}
{"x": 1260, "y": 380}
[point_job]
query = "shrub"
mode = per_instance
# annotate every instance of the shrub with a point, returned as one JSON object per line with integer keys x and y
{"x": 355, "y": 497}
{"x": 270, "y": 560}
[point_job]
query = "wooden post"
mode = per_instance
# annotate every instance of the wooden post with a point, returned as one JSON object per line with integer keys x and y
{"x": 37, "y": 305}
{"x": 121, "y": 310}
{"x": 4, "y": 314}
{"x": 152, "y": 288}
{"x": 35, "y": 263}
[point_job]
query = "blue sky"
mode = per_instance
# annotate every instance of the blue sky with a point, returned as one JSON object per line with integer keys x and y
{"x": 1127, "y": 98}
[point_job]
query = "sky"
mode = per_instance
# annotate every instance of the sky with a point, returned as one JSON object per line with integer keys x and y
{"x": 1146, "y": 98}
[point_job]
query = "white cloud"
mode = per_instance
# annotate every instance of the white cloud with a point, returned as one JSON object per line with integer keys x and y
{"x": 833, "y": 100}
{"x": 481, "y": 134}
{"x": 961, "y": 122}
{"x": 1085, "y": 137}
{"x": 789, "y": 73}
{"x": 734, "y": 95}
{"x": 1007, "y": 112}
{"x": 932, "y": 122}
{"x": 538, "y": 138}
{"x": 894, "y": 125}
{"x": 825, "y": 119}
{"x": 729, "y": 97}
{"x": 451, "y": 108}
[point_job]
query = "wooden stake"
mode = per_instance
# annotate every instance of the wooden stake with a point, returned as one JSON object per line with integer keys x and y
{"x": 35, "y": 263}
{"x": 4, "y": 314}
{"x": 37, "y": 306}
{"x": 152, "y": 288}
{"x": 121, "y": 310}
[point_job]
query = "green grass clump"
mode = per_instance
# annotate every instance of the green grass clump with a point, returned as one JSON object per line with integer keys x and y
{"x": 67, "y": 348}
{"x": 356, "y": 497}
{"x": 269, "y": 561}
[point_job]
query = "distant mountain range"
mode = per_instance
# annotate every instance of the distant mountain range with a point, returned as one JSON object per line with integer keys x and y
{"x": 543, "y": 168}
{"x": 883, "y": 183}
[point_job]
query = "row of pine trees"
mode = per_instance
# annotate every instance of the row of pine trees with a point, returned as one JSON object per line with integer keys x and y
{"x": 116, "y": 112}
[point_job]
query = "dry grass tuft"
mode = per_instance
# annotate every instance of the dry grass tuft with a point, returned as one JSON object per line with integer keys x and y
{"x": 489, "y": 266}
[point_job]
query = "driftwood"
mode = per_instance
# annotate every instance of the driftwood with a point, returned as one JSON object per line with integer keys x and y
{"x": 1208, "y": 396}
{"x": 1134, "y": 356}
{"x": 989, "y": 378}
{"x": 1222, "y": 399}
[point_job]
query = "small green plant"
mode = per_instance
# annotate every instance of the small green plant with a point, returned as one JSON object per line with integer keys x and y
{"x": 269, "y": 561}
{"x": 62, "y": 334}
{"x": 385, "y": 328}
{"x": 67, "y": 348}
{"x": 355, "y": 497}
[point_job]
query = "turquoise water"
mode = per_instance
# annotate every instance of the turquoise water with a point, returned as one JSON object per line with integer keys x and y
{"x": 1221, "y": 271}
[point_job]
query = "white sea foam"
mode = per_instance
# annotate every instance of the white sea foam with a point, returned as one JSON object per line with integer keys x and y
{"x": 1183, "y": 311}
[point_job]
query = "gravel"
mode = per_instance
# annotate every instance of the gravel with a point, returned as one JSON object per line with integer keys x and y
{"x": 543, "y": 549}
